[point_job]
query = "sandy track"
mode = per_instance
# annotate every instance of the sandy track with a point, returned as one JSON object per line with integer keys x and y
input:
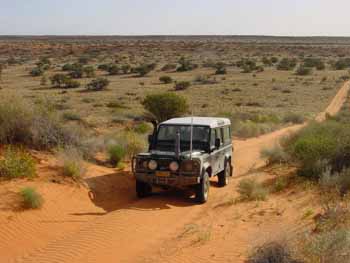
{"x": 135, "y": 230}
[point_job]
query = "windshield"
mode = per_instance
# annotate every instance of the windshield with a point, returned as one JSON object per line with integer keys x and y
{"x": 167, "y": 136}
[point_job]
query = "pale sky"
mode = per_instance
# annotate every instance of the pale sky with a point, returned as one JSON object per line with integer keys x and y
{"x": 175, "y": 17}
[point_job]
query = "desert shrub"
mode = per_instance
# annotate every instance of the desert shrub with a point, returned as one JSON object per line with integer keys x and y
{"x": 275, "y": 252}
{"x": 274, "y": 155}
{"x": 113, "y": 69}
{"x": 15, "y": 120}
{"x": 220, "y": 69}
{"x": 280, "y": 184}
{"x": 38, "y": 126}
{"x": 293, "y": 117}
{"x": 169, "y": 67}
{"x": 16, "y": 163}
{"x": 64, "y": 81}
{"x": 144, "y": 69}
{"x": 116, "y": 154}
{"x": 67, "y": 67}
{"x": 89, "y": 71}
{"x": 266, "y": 61}
{"x": 142, "y": 128}
{"x": 287, "y": 64}
{"x": 185, "y": 65}
{"x": 77, "y": 72}
{"x": 314, "y": 63}
{"x": 98, "y": 84}
{"x": 164, "y": 106}
{"x": 182, "y": 85}
{"x": 329, "y": 247}
{"x": 36, "y": 72}
{"x": 166, "y": 79}
{"x": 71, "y": 161}
{"x": 31, "y": 199}
{"x": 71, "y": 84}
{"x": 126, "y": 68}
{"x": 251, "y": 190}
{"x": 303, "y": 71}
{"x": 319, "y": 145}
{"x": 104, "y": 67}
{"x": 342, "y": 64}
{"x": 58, "y": 80}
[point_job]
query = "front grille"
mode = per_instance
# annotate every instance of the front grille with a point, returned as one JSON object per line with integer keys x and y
{"x": 163, "y": 164}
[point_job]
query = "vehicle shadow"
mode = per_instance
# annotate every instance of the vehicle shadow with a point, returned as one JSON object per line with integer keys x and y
{"x": 113, "y": 192}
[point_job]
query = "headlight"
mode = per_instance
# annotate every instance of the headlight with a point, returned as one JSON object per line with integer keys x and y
{"x": 145, "y": 164}
{"x": 174, "y": 166}
{"x": 152, "y": 165}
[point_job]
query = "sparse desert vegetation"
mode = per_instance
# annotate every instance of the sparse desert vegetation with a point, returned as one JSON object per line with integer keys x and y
{"x": 73, "y": 113}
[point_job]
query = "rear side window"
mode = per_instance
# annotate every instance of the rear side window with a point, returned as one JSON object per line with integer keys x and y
{"x": 227, "y": 135}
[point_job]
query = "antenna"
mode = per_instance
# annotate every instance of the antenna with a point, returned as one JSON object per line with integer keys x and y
{"x": 191, "y": 137}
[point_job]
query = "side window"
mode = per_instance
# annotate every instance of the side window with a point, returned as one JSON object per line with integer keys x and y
{"x": 227, "y": 136}
{"x": 219, "y": 134}
{"x": 212, "y": 137}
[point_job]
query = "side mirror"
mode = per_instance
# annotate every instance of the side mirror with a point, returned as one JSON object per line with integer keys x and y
{"x": 217, "y": 143}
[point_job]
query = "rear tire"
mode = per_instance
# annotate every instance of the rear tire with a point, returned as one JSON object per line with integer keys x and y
{"x": 143, "y": 189}
{"x": 202, "y": 189}
{"x": 224, "y": 176}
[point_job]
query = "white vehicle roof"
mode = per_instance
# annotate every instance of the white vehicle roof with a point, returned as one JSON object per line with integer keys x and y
{"x": 199, "y": 121}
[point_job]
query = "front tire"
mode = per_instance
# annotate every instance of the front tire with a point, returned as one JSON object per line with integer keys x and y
{"x": 224, "y": 176}
{"x": 202, "y": 190}
{"x": 143, "y": 189}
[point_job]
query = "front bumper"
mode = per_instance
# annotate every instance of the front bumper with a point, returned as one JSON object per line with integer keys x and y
{"x": 172, "y": 180}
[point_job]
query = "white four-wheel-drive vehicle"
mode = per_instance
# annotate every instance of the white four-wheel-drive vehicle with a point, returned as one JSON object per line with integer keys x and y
{"x": 186, "y": 152}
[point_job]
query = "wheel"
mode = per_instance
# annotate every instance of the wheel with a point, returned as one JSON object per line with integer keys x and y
{"x": 202, "y": 189}
{"x": 143, "y": 189}
{"x": 224, "y": 176}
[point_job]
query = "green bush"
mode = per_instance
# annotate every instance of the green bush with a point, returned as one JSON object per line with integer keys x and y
{"x": 287, "y": 64}
{"x": 113, "y": 69}
{"x": 16, "y": 163}
{"x": 319, "y": 145}
{"x": 38, "y": 126}
{"x": 314, "y": 63}
{"x": 31, "y": 199}
{"x": 116, "y": 154}
{"x": 185, "y": 65}
{"x": 250, "y": 190}
{"x": 71, "y": 161}
{"x": 164, "y": 106}
{"x": 220, "y": 69}
{"x": 36, "y": 72}
{"x": 342, "y": 64}
{"x": 166, "y": 79}
{"x": 182, "y": 85}
{"x": 98, "y": 84}
{"x": 144, "y": 69}
{"x": 89, "y": 71}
